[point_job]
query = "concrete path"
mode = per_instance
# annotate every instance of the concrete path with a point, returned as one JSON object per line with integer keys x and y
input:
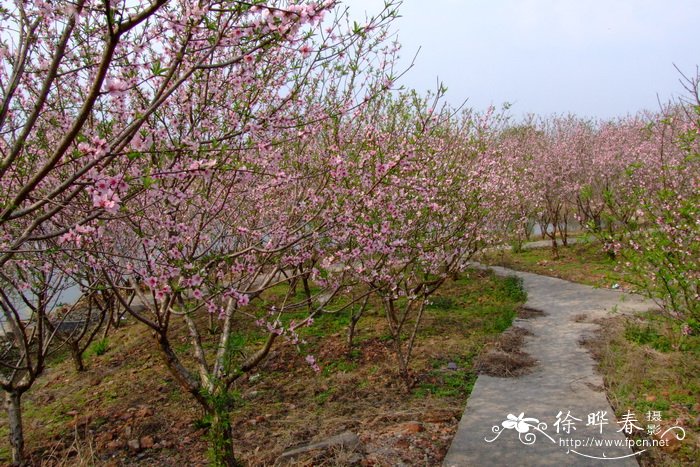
{"x": 564, "y": 380}
{"x": 548, "y": 243}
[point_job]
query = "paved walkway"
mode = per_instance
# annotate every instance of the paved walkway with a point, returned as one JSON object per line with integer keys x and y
{"x": 548, "y": 243}
{"x": 564, "y": 380}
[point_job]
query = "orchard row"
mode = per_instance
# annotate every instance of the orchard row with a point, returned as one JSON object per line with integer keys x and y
{"x": 174, "y": 160}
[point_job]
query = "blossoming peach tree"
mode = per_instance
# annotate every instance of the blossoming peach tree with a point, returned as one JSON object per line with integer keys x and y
{"x": 657, "y": 214}
{"x": 425, "y": 208}
{"x": 107, "y": 105}
{"x": 632, "y": 183}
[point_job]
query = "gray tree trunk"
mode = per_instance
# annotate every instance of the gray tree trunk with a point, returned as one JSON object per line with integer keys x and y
{"x": 14, "y": 418}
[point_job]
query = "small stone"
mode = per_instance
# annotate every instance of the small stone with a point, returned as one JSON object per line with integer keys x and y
{"x": 144, "y": 412}
{"x": 402, "y": 443}
{"x": 147, "y": 442}
{"x": 114, "y": 445}
{"x": 134, "y": 445}
{"x": 452, "y": 366}
{"x": 671, "y": 443}
{"x": 412, "y": 427}
{"x": 72, "y": 413}
{"x": 102, "y": 439}
{"x": 650, "y": 398}
{"x": 347, "y": 441}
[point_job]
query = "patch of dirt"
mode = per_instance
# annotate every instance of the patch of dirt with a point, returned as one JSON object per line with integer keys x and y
{"x": 579, "y": 318}
{"x": 505, "y": 364}
{"x": 512, "y": 340}
{"x": 528, "y": 313}
{"x": 595, "y": 387}
{"x": 595, "y": 342}
{"x": 136, "y": 415}
{"x": 505, "y": 359}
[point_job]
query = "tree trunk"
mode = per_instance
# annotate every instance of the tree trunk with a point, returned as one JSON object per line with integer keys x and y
{"x": 354, "y": 318}
{"x": 564, "y": 232}
{"x": 351, "y": 332}
{"x": 14, "y": 418}
{"x": 404, "y": 372}
{"x": 77, "y": 356}
{"x": 597, "y": 224}
{"x": 307, "y": 291}
{"x": 221, "y": 439}
{"x": 213, "y": 327}
{"x": 555, "y": 249}
{"x": 565, "y": 239}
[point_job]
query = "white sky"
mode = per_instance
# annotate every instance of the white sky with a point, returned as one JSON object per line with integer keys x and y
{"x": 597, "y": 58}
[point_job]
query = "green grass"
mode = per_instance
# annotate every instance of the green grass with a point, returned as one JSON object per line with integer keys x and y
{"x": 649, "y": 365}
{"x": 441, "y": 303}
{"x": 479, "y": 307}
{"x": 323, "y": 396}
{"x": 441, "y": 382}
{"x": 99, "y": 347}
{"x": 647, "y": 335}
{"x": 327, "y": 323}
{"x": 339, "y": 366}
{"x": 584, "y": 262}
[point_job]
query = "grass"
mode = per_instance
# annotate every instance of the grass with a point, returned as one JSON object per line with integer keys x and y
{"x": 583, "y": 262}
{"x": 649, "y": 365}
{"x": 99, "y": 347}
{"x": 127, "y": 392}
{"x": 479, "y": 315}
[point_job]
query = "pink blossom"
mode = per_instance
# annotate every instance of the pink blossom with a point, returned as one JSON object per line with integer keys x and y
{"x": 243, "y": 299}
{"x": 311, "y": 361}
{"x": 305, "y": 50}
{"x": 116, "y": 86}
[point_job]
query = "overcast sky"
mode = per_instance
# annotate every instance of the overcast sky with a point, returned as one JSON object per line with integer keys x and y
{"x": 597, "y": 58}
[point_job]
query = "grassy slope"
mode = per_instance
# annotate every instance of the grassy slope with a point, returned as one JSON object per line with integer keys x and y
{"x": 127, "y": 394}
{"x": 584, "y": 263}
{"x": 648, "y": 365}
